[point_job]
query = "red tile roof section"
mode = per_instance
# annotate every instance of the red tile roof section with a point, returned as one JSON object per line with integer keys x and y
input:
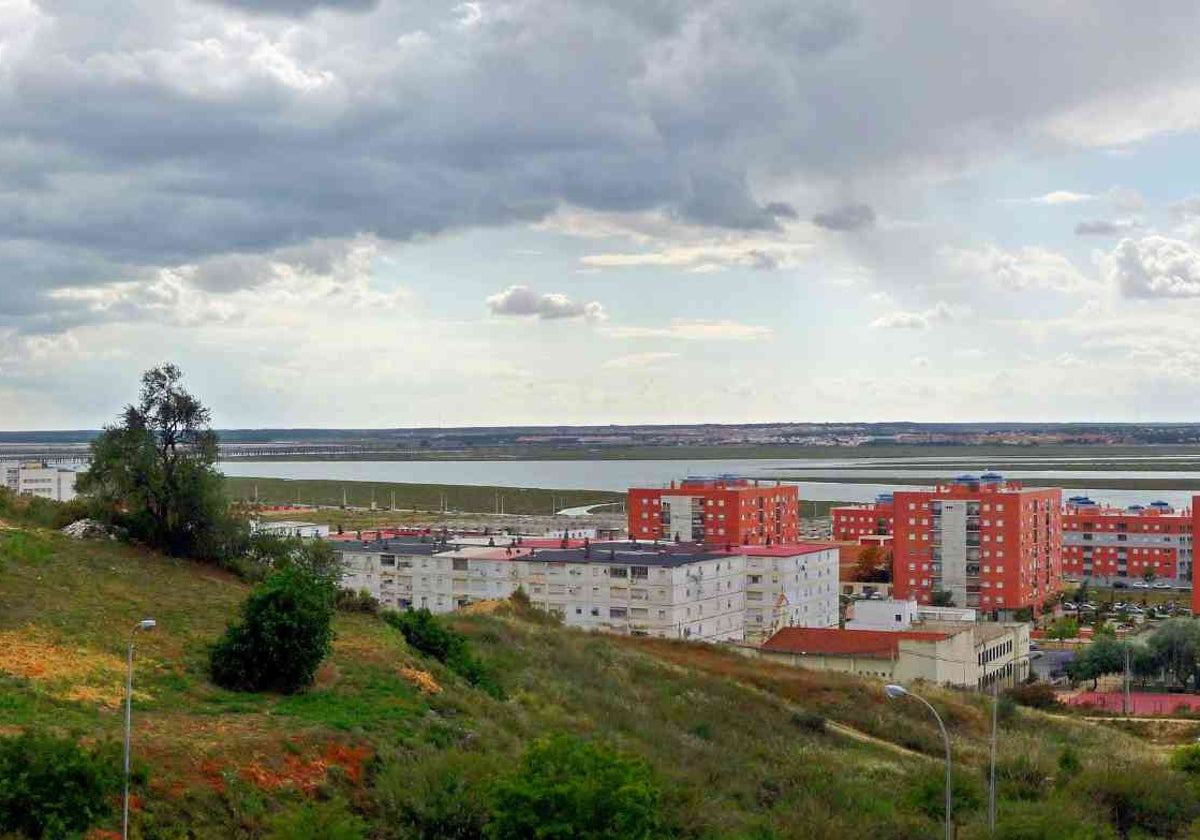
{"x": 833, "y": 642}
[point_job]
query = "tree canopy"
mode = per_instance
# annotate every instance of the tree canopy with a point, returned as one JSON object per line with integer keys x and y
{"x": 153, "y": 471}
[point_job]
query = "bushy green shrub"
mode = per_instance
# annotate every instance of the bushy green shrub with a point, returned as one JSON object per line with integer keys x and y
{"x": 1020, "y": 778}
{"x": 426, "y": 634}
{"x": 349, "y": 601}
{"x": 38, "y": 512}
{"x": 52, "y": 787}
{"x": 809, "y": 721}
{"x": 442, "y": 795}
{"x": 1034, "y": 695}
{"x": 318, "y": 821}
{"x": 928, "y": 794}
{"x": 1186, "y": 759}
{"x": 568, "y": 789}
{"x": 1048, "y": 821}
{"x": 284, "y": 633}
{"x": 1138, "y": 797}
{"x": 1069, "y": 763}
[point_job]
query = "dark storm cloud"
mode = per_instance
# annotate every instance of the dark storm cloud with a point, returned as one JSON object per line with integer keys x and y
{"x": 136, "y": 134}
{"x": 850, "y": 217}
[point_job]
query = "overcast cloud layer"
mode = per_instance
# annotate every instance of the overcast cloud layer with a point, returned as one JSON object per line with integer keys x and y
{"x": 561, "y": 211}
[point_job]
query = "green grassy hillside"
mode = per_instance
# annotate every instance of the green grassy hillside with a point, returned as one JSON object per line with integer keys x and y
{"x": 742, "y": 749}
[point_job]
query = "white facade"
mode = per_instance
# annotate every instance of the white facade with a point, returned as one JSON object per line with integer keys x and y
{"x": 790, "y": 590}
{"x": 902, "y": 615}
{"x": 56, "y": 483}
{"x": 693, "y": 594}
{"x": 882, "y": 615}
{"x": 288, "y": 528}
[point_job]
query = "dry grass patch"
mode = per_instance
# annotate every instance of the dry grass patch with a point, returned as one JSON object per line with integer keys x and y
{"x": 70, "y": 673}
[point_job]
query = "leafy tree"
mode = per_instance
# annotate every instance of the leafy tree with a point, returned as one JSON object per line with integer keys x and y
{"x": 873, "y": 566}
{"x": 568, "y": 789}
{"x": 266, "y": 552}
{"x": 153, "y": 471}
{"x": 942, "y": 598}
{"x": 53, "y": 787}
{"x": 1081, "y": 593}
{"x": 1149, "y": 575}
{"x": 284, "y": 633}
{"x": 1105, "y": 655}
{"x": 1175, "y": 646}
{"x": 1063, "y": 629}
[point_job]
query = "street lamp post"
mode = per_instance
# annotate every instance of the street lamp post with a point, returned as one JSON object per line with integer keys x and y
{"x": 144, "y": 624}
{"x": 898, "y": 691}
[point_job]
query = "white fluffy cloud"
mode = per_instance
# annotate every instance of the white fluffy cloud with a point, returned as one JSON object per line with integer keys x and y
{"x": 1055, "y": 197}
{"x": 1155, "y": 267}
{"x": 524, "y": 301}
{"x": 902, "y": 319}
{"x": 1017, "y": 270}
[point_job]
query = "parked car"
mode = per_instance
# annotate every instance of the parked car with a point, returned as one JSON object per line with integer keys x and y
{"x": 1120, "y": 584}
{"x": 1140, "y": 584}
{"x": 1069, "y": 606}
{"x": 1162, "y": 584}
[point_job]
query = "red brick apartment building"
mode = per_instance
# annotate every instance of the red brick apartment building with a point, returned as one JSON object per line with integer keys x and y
{"x": 1103, "y": 541}
{"x": 719, "y": 511}
{"x": 855, "y": 521}
{"x": 990, "y": 543}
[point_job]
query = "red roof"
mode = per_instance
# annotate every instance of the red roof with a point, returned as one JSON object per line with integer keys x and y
{"x": 831, "y": 641}
{"x": 781, "y": 550}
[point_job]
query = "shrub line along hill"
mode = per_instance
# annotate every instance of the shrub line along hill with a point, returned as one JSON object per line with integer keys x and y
{"x": 390, "y": 742}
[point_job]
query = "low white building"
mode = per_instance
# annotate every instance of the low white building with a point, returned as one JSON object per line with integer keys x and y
{"x": 685, "y": 591}
{"x": 901, "y": 615}
{"x": 289, "y": 528}
{"x": 957, "y": 654}
{"x": 47, "y": 482}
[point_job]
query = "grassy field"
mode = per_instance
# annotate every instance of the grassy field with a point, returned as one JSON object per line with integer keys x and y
{"x": 414, "y": 497}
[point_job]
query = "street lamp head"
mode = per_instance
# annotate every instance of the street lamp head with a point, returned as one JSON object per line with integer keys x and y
{"x": 147, "y": 624}
{"x": 895, "y": 691}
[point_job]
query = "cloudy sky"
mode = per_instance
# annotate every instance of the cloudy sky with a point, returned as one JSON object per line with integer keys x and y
{"x": 409, "y": 212}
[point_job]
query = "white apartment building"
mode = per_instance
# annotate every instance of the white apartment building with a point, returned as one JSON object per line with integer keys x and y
{"x": 684, "y": 591}
{"x": 790, "y": 586}
{"x": 56, "y": 483}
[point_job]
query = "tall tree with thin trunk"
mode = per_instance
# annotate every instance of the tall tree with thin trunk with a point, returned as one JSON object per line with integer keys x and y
{"x": 153, "y": 471}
